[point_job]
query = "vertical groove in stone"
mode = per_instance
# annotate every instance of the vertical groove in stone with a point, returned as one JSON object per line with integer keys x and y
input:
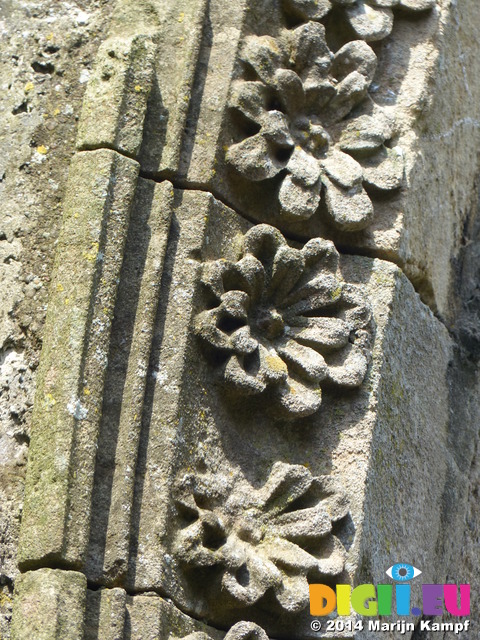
{"x": 179, "y": 33}
{"x": 198, "y": 223}
{"x": 222, "y": 39}
{"x": 126, "y": 380}
{"x": 161, "y": 423}
{"x": 106, "y": 614}
{"x": 117, "y": 215}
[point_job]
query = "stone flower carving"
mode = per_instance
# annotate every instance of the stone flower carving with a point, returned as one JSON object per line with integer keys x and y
{"x": 307, "y": 121}
{"x": 280, "y": 322}
{"x": 371, "y": 20}
{"x": 262, "y": 540}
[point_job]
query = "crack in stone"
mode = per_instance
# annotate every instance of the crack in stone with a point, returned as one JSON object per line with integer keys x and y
{"x": 186, "y": 185}
{"x": 153, "y": 593}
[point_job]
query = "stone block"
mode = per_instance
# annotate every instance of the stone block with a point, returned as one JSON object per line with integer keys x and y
{"x": 193, "y": 74}
{"x": 49, "y": 605}
{"x": 150, "y": 617}
{"x": 221, "y": 446}
{"x": 367, "y": 165}
{"x": 127, "y": 379}
{"x": 75, "y": 355}
{"x": 116, "y": 99}
{"x": 260, "y": 402}
{"x": 105, "y": 614}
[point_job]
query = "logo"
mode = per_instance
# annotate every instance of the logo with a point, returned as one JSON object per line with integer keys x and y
{"x": 382, "y": 599}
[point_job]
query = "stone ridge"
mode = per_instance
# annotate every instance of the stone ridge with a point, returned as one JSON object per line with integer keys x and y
{"x": 47, "y": 49}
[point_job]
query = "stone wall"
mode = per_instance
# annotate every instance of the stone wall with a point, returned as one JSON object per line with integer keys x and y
{"x": 46, "y": 54}
{"x": 258, "y": 366}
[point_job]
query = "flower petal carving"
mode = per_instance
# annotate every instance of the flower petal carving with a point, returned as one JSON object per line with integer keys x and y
{"x": 260, "y": 540}
{"x": 253, "y": 157}
{"x": 246, "y": 631}
{"x": 299, "y": 99}
{"x": 281, "y": 321}
{"x": 350, "y": 208}
{"x": 373, "y": 19}
{"x": 297, "y": 199}
{"x": 369, "y": 22}
{"x": 385, "y": 171}
{"x": 308, "y": 122}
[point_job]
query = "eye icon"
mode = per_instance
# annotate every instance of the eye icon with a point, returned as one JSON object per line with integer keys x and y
{"x": 402, "y": 572}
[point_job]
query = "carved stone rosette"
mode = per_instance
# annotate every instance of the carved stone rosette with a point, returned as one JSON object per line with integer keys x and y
{"x": 309, "y": 122}
{"x": 281, "y": 322}
{"x": 247, "y": 542}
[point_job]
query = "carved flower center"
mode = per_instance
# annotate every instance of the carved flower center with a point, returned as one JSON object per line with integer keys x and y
{"x": 311, "y": 136}
{"x": 269, "y": 323}
{"x": 248, "y": 529}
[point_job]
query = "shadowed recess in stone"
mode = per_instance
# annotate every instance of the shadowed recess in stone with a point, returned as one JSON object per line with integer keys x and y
{"x": 280, "y": 320}
{"x": 253, "y": 541}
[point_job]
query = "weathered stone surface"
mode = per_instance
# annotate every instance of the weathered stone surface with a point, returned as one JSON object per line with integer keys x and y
{"x": 219, "y": 421}
{"x": 249, "y": 537}
{"x": 376, "y": 143}
{"x": 349, "y": 431}
{"x": 200, "y": 225}
{"x": 185, "y": 511}
{"x": 16, "y": 393}
{"x": 49, "y": 605}
{"x": 193, "y": 426}
{"x": 301, "y": 96}
{"x": 435, "y": 101}
{"x": 46, "y": 51}
{"x": 115, "y": 103}
{"x": 111, "y": 614}
{"x": 126, "y": 380}
{"x": 188, "y": 102}
{"x": 150, "y": 618}
{"x": 105, "y": 614}
{"x": 75, "y": 355}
